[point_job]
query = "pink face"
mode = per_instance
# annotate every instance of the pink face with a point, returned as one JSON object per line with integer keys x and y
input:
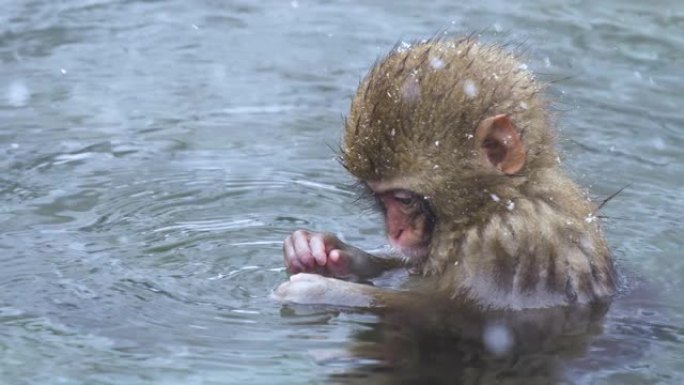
{"x": 409, "y": 225}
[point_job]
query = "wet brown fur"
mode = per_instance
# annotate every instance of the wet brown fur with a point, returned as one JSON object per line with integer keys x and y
{"x": 532, "y": 239}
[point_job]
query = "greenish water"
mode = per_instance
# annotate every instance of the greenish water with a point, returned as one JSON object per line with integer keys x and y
{"x": 154, "y": 155}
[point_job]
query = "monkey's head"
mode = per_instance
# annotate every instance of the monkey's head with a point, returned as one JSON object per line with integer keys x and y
{"x": 445, "y": 132}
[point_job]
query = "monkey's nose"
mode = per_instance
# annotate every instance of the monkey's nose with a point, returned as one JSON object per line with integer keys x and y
{"x": 395, "y": 234}
{"x": 403, "y": 238}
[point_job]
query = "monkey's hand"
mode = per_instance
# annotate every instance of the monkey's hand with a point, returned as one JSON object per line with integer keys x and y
{"x": 312, "y": 289}
{"x": 325, "y": 254}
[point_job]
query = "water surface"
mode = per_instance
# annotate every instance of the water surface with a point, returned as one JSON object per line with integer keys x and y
{"x": 154, "y": 154}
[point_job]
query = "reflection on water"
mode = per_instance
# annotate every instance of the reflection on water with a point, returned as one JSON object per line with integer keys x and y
{"x": 466, "y": 348}
{"x": 436, "y": 345}
{"x": 153, "y": 156}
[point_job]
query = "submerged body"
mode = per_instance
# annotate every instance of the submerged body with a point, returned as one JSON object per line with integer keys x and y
{"x": 454, "y": 141}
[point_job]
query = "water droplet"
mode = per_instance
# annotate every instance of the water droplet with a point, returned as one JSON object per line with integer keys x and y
{"x": 469, "y": 136}
{"x": 510, "y": 205}
{"x": 410, "y": 90}
{"x": 437, "y": 63}
{"x": 63, "y": 71}
{"x": 497, "y": 27}
{"x": 17, "y": 94}
{"x": 658, "y": 143}
{"x": 498, "y": 339}
{"x": 547, "y": 62}
{"x": 523, "y": 66}
{"x": 437, "y": 143}
{"x": 470, "y": 88}
{"x": 14, "y": 145}
{"x": 590, "y": 218}
{"x": 637, "y": 75}
{"x": 195, "y": 27}
{"x": 495, "y": 197}
{"x": 294, "y": 4}
{"x": 393, "y": 131}
{"x": 403, "y": 46}
{"x": 523, "y": 105}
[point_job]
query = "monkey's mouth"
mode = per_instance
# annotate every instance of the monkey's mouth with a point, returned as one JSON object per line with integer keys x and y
{"x": 413, "y": 255}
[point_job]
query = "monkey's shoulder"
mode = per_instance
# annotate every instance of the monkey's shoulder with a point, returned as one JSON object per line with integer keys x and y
{"x": 531, "y": 256}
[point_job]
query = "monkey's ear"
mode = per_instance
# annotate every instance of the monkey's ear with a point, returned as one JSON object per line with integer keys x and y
{"x": 500, "y": 143}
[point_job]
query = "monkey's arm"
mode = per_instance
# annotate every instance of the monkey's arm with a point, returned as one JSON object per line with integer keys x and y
{"x": 325, "y": 254}
{"x": 312, "y": 289}
{"x": 364, "y": 265}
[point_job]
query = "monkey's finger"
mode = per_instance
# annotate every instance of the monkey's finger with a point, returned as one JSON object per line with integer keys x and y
{"x": 291, "y": 261}
{"x": 338, "y": 263}
{"x": 335, "y": 255}
{"x": 288, "y": 249}
{"x": 317, "y": 246}
{"x": 300, "y": 240}
{"x": 331, "y": 242}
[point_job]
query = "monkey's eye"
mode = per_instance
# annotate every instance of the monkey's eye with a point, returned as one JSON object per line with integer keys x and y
{"x": 403, "y": 197}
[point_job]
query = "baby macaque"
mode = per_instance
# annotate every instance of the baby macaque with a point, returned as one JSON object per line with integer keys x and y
{"x": 453, "y": 139}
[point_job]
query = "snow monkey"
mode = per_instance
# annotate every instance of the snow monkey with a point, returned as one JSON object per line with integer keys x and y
{"x": 453, "y": 139}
